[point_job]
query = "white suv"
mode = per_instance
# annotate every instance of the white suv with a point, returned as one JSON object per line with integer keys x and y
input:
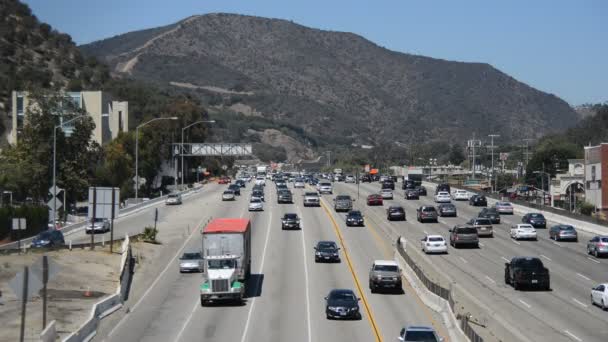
{"x": 325, "y": 188}
{"x": 443, "y": 197}
{"x": 460, "y": 195}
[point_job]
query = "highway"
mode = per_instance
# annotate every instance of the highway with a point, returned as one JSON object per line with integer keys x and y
{"x": 563, "y": 314}
{"x": 285, "y": 293}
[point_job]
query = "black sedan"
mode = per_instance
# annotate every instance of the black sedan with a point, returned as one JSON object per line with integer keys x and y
{"x": 395, "y": 213}
{"x": 290, "y": 221}
{"x": 48, "y": 238}
{"x": 236, "y": 188}
{"x": 412, "y": 194}
{"x": 421, "y": 190}
{"x": 342, "y": 303}
{"x": 537, "y": 220}
{"x": 491, "y": 214}
{"x": 478, "y": 201}
{"x": 354, "y": 218}
{"x": 327, "y": 251}
{"x": 447, "y": 209}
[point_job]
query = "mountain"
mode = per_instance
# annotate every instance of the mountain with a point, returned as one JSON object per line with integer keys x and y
{"x": 339, "y": 87}
{"x": 34, "y": 55}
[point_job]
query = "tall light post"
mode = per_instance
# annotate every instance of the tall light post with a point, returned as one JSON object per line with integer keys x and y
{"x": 432, "y": 161}
{"x": 492, "y": 177}
{"x": 542, "y": 181}
{"x": 182, "y": 145}
{"x": 137, "y": 151}
{"x": 55, "y": 163}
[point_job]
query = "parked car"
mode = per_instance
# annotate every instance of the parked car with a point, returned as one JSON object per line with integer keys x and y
{"x": 599, "y": 296}
{"x": 256, "y": 204}
{"x": 412, "y": 194}
{"x": 342, "y": 303}
{"x": 228, "y": 195}
{"x": 421, "y": 190}
{"x": 191, "y": 262}
{"x": 354, "y": 218}
{"x": 483, "y": 226}
{"x": 395, "y": 213}
{"x": 443, "y": 197}
{"x": 535, "y": 219}
{"x": 563, "y": 232}
{"x": 99, "y": 225}
{"x": 426, "y": 213}
{"x": 464, "y": 235}
{"x": 48, "y": 238}
{"x": 478, "y": 201}
{"x": 504, "y": 208}
{"x": 173, "y": 199}
{"x": 374, "y": 199}
{"x": 527, "y": 271}
{"x": 460, "y": 195}
{"x": 434, "y": 244}
{"x": 523, "y": 231}
{"x": 598, "y": 245}
{"x": 327, "y": 251}
{"x": 491, "y": 214}
{"x": 447, "y": 209}
{"x": 386, "y": 194}
{"x": 384, "y": 274}
{"x": 290, "y": 221}
{"x": 311, "y": 199}
{"x": 419, "y": 333}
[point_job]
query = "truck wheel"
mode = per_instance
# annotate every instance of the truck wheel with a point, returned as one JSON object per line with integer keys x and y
{"x": 516, "y": 286}
{"x": 203, "y": 302}
{"x": 507, "y": 280}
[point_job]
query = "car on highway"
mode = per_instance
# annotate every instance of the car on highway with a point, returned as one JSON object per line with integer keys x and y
{"x": 434, "y": 244}
{"x": 599, "y": 296}
{"x": 366, "y": 179}
{"x": 191, "y": 262}
{"x": 241, "y": 183}
{"x": 478, "y": 201}
{"x": 598, "y": 246}
{"x": 224, "y": 180}
{"x": 523, "y": 231}
{"x": 349, "y": 179}
{"x": 327, "y": 251}
{"x": 447, "y": 209}
{"x": 421, "y": 190}
{"x": 523, "y": 272}
{"x": 386, "y": 194}
{"x": 99, "y": 225}
{"x": 343, "y": 203}
{"x": 464, "y": 235}
{"x": 280, "y": 183}
{"x": 235, "y": 188}
{"x": 385, "y": 274}
{"x": 299, "y": 183}
{"x": 408, "y": 185}
{"x": 395, "y": 213}
{"x": 504, "y": 208}
{"x": 342, "y": 303}
{"x": 173, "y": 199}
{"x": 355, "y": 218}
{"x": 483, "y": 226}
{"x": 284, "y": 196}
{"x": 419, "y": 333}
{"x": 491, "y": 214}
{"x": 325, "y": 188}
{"x": 443, "y": 187}
{"x": 563, "y": 232}
{"x": 460, "y": 195}
{"x": 228, "y": 195}
{"x": 427, "y": 213}
{"x": 256, "y": 204}
{"x": 259, "y": 194}
{"x": 375, "y": 199}
{"x": 311, "y": 199}
{"x": 535, "y": 219}
{"x": 388, "y": 184}
{"x": 260, "y": 181}
{"x": 48, "y": 238}
{"x": 412, "y": 194}
{"x": 443, "y": 197}
{"x": 290, "y": 221}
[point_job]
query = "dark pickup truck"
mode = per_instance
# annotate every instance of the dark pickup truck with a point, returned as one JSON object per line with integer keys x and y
{"x": 527, "y": 272}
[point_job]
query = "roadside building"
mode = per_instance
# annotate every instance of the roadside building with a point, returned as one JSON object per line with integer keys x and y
{"x": 110, "y": 117}
{"x": 596, "y": 175}
{"x": 568, "y": 188}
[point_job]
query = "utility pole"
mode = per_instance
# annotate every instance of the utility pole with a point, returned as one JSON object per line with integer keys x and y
{"x": 471, "y": 144}
{"x": 492, "y": 175}
{"x": 526, "y": 153}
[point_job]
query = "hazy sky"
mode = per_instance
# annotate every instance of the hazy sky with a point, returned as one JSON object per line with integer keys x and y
{"x": 558, "y": 46}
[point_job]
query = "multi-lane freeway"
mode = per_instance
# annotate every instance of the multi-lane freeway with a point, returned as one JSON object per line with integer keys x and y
{"x": 285, "y": 293}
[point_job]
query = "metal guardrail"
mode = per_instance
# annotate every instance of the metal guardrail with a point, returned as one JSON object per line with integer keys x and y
{"x": 441, "y": 292}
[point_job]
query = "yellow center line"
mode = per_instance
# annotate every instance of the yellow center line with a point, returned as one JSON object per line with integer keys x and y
{"x": 372, "y": 321}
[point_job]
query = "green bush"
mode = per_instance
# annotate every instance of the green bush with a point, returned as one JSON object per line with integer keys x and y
{"x": 149, "y": 234}
{"x": 36, "y": 218}
{"x": 587, "y": 208}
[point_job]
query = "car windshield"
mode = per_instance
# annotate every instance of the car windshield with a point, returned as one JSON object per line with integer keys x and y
{"x": 228, "y": 192}
{"x": 326, "y": 245}
{"x": 448, "y": 206}
{"x": 386, "y": 268}
{"x": 255, "y": 200}
{"x": 529, "y": 263}
{"x": 343, "y": 296}
{"x": 354, "y": 213}
{"x": 537, "y": 216}
{"x": 424, "y": 336}
{"x": 503, "y": 204}
{"x": 428, "y": 209}
{"x": 98, "y": 220}
{"x": 604, "y": 239}
{"x": 342, "y": 197}
{"x": 44, "y": 236}
{"x": 443, "y": 193}
{"x": 466, "y": 231}
{"x": 525, "y": 226}
{"x": 483, "y": 222}
{"x": 566, "y": 228}
{"x": 396, "y": 209}
{"x": 325, "y": 184}
{"x": 435, "y": 238}
{"x": 311, "y": 194}
{"x": 173, "y": 196}
{"x": 224, "y": 264}
{"x": 191, "y": 256}
{"x": 491, "y": 211}
{"x": 291, "y": 216}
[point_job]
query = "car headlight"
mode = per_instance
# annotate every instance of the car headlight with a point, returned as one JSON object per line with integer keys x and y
{"x": 318, "y": 253}
{"x": 378, "y": 277}
{"x": 332, "y": 308}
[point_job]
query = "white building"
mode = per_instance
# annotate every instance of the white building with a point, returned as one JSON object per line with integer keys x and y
{"x": 568, "y": 188}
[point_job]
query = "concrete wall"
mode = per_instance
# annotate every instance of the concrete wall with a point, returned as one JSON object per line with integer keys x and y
{"x": 92, "y": 103}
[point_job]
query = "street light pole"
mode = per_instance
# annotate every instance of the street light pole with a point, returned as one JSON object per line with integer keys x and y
{"x": 137, "y": 151}
{"x": 492, "y": 175}
{"x": 182, "y": 145}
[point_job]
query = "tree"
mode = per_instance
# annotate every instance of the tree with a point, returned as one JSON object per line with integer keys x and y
{"x": 551, "y": 156}
{"x": 456, "y": 156}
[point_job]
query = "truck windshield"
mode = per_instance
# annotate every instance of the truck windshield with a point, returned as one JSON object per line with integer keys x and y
{"x": 221, "y": 264}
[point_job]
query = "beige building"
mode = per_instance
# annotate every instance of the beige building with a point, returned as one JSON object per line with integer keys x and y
{"x": 110, "y": 117}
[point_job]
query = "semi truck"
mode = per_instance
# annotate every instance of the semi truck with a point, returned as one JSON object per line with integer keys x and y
{"x": 413, "y": 176}
{"x": 227, "y": 254}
